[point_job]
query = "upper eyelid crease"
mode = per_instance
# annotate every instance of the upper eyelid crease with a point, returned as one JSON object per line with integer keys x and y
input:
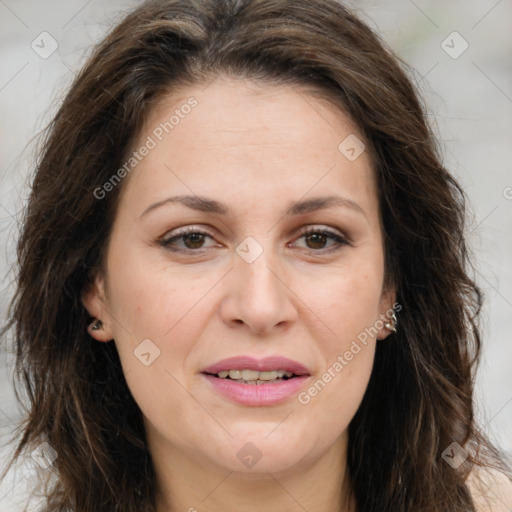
{"x": 301, "y": 207}
{"x": 309, "y": 229}
{"x": 339, "y": 238}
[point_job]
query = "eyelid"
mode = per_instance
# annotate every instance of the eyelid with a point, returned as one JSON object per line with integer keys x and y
{"x": 314, "y": 228}
{"x": 319, "y": 228}
{"x": 339, "y": 238}
{"x": 181, "y": 232}
{"x": 185, "y": 230}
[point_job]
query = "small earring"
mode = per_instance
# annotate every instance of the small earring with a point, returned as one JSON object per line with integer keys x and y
{"x": 392, "y": 324}
{"x": 96, "y": 325}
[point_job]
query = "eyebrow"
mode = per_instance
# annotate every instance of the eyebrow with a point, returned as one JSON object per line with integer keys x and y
{"x": 203, "y": 204}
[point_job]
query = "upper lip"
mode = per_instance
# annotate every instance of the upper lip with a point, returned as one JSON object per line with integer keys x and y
{"x": 261, "y": 365}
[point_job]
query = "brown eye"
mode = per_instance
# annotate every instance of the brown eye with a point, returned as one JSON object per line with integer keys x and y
{"x": 193, "y": 240}
{"x": 316, "y": 240}
{"x": 190, "y": 239}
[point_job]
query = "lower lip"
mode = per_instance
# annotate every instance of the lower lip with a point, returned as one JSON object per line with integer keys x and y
{"x": 257, "y": 395}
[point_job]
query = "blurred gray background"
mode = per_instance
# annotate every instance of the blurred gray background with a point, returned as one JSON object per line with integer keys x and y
{"x": 461, "y": 59}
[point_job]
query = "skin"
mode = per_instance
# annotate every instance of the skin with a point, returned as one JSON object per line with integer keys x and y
{"x": 257, "y": 149}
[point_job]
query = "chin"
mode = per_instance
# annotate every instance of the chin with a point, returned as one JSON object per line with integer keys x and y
{"x": 255, "y": 455}
{"x": 276, "y": 464}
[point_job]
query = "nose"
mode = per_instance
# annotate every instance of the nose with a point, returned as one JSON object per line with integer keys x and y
{"x": 257, "y": 296}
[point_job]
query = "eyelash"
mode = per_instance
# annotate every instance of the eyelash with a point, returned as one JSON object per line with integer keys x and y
{"x": 340, "y": 241}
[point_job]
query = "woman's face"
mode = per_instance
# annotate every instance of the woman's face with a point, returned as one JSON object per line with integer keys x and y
{"x": 229, "y": 271}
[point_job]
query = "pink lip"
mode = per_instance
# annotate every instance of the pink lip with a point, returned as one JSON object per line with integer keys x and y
{"x": 263, "y": 365}
{"x": 257, "y": 394}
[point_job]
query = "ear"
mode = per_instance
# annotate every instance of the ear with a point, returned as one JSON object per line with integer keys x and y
{"x": 387, "y": 305}
{"x": 94, "y": 300}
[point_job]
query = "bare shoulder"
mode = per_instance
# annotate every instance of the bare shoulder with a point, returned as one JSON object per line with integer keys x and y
{"x": 491, "y": 490}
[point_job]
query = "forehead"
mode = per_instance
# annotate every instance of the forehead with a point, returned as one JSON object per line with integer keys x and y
{"x": 242, "y": 112}
{"x": 233, "y": 135}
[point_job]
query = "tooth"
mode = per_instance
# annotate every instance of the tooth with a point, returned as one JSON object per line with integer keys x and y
{"x": 257, "y": 382}
{"x": 254, "y": 376}
{"x": 268, "y": 375}
{"x": 248, "y": 374}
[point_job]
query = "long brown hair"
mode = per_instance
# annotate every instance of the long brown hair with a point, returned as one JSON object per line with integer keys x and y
{"x": 420, "y": 396}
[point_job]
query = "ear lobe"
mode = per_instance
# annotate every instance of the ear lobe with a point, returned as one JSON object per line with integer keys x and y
{"x": 94, "y": 301}
{"x": 387, "y": 303}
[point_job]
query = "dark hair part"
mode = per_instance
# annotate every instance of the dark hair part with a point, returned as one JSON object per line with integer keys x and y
{"x": 420, "y": 395}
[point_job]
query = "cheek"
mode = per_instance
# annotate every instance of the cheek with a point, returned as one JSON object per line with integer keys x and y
{"x": 335, "y": 396}
{"x": 346, "y": 299}
{"x": 153, "y": 303}
{"x": 151, "y": 299}
{"x": 347, "y": 303}
{"x": 349, "y": 308}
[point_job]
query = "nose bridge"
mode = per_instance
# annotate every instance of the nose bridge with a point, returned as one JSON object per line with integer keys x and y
{"x": 257, "y": 274}
{"x": 258, "y": 297}
{"x": 256, "y": 279}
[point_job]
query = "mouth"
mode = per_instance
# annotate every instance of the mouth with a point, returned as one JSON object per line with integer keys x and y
{"x": 249, "y": 368}
{"x": 253, "y": 382}
{"x": 253, "y": 377}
